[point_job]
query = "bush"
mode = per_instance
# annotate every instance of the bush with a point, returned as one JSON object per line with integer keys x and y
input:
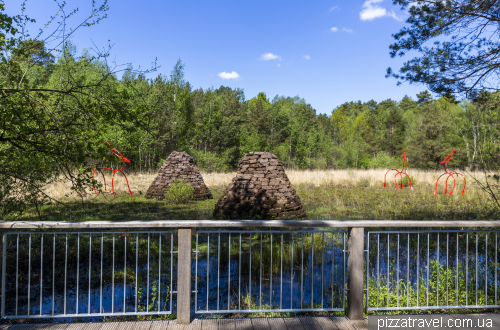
{"x": 179, "y": 192}
{"x": 406, "y": 182}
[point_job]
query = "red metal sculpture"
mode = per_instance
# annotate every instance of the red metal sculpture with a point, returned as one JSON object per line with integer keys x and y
{"x": 119, "y": 155}
{"x": 450, "y": 174}
{"x": 404, "y": 171}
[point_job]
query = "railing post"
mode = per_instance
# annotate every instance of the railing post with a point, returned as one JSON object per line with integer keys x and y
{"x": 184, "y": 276}
{"x": 355, "y": 274}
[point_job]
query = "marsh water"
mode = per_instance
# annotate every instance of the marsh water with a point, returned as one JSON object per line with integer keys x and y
{"x": 130, "y": 273}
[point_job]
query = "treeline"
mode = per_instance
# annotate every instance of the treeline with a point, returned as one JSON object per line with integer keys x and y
{"x": 146, "y": 119}
{"x": 219, "y": 126}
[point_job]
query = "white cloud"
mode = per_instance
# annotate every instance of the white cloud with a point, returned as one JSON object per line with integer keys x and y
{"x": 347, "y": 30}
{"x": 334, "y": 29}
{"x": 307, "y": 57}
{"x": 269, "y": 56}
{"x": 279, "y": 64}
{"x": 333, "y": 8}
{"x": 372, "y": 10}
{"x": 229, "y": 75}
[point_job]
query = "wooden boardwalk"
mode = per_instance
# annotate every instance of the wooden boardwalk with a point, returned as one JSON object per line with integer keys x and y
{"x": 287, "y": 323}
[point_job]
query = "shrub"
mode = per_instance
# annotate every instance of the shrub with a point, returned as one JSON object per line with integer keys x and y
{"x": 179, "y": 192}
{"x": 406, "y": 182}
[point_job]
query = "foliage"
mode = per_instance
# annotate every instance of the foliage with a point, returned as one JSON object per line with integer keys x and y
{"x": 178, "y": 192}
{"x": 463, "y": 55}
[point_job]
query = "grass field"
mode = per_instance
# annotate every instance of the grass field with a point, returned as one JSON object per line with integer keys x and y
{"x": 327, "y": 195}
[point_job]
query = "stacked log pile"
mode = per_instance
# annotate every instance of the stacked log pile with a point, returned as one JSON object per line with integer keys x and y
{"x": 260, "y": 190}
{"x": 178, "y": 165}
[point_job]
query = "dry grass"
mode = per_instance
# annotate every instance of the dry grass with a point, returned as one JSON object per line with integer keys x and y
{"x": 139, "y": 182}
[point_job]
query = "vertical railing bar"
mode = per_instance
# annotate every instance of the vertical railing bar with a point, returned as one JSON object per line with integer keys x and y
{"x": 312, "y": 270}
{"x": 388, "y": 277}
{"x": 53, "y": 270}
{"x": 418, "y": 267}
{"x": 147, "y": 277}
{"x": 447, "y": 264}
{"x": 486, "y": 271}
{"x": 4, "y": 270}
{"x": 467, "y": 269}
{"x": 17, "y": 274}
{"x": 77, "y": 269}
{"x": 196, "y": 280}
{"x": 437, "y": 264}
{"x": 302, "y": 276}
{"x": 29, "y": 273}
{"x": 218, "y": 269}
{"x": 408, "y": 272}
{"x": 271, "y": 277}
{"x": 428, "y": 267}
{"x": 102, "y": 248}
{"x": 456, "y": 279}
{"x": 229, "y": 277}
{"x": 239, "y": 277}
{"x": 397, "y": 275}
{"x": 477, "y": 237}
{"x": 124, "y": 274}
{"x": 41, "y": 273}
{"x": 260, "y": 284}
{"x": 159, "y": 271}
{"x": 137, "y": 271}
{"x": 378, "y": 268}
{"x": 291, "y": 279}
{"x": 367, "y": 267}
{"x": 333, "y": 267}
{"x": 250, "y": 271}
{"x": 322, "y": 266}
{"x": 90, "y": 269}
{"x": 281, "y": 280}
{"x": 343, "y": 273}
{"x": 208, "y": 267}
{"x": 113, "y": 278}
{"x": 65, "y": 270}
{"x": 172, "y": 271}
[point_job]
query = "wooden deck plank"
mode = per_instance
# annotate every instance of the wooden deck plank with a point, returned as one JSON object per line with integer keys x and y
{"x": 260, "y": 324}
{"x": 342, "y": 322}
{"x": 360, "y": 324}
{"x": 277, "y": 323}
{"x": 326, "y": 323}
{"x": 110, "y": 325}
{"x": 161, "y": 325}
{"x": 142, "y": 325}
{"x": 194, "y": 325}
{"x": 92, "y": 325}
{"x": 76, "y": 326}
{"x": 243, "y": 324}
{"x": 310, "y": 322}
{"x": 293, "y": 323}
{"x": 210, "y": 324}
{"x": 227, "y": 324}
{"x": 57, "y": 326}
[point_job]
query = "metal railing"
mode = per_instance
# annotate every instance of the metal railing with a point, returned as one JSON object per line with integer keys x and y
{"x": 451, "y": 269}
{"x": 68, "y": 274}
{"x": 31, "y": 286}
{"x": 271, "y": 271}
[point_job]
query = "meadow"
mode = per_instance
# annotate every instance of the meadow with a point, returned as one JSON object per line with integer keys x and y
{"x": 326, "y": 195}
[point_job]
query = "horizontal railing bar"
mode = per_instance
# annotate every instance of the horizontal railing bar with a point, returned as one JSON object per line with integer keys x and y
{"x": 88, "y": 232}
{"x": 49, "y": 316}
{"x": 274, "y": 310}
{"x": 430, "y": 307}
{"x": 265, "y": 231}
{"x": 428, "y": 231}
{"x": 242, "y": 223}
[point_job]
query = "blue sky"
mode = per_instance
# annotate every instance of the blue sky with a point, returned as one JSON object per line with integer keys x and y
{"x": 327, "y": 52}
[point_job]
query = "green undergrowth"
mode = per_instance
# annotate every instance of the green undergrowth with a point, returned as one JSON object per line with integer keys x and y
{"x": 325, "y": 202}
